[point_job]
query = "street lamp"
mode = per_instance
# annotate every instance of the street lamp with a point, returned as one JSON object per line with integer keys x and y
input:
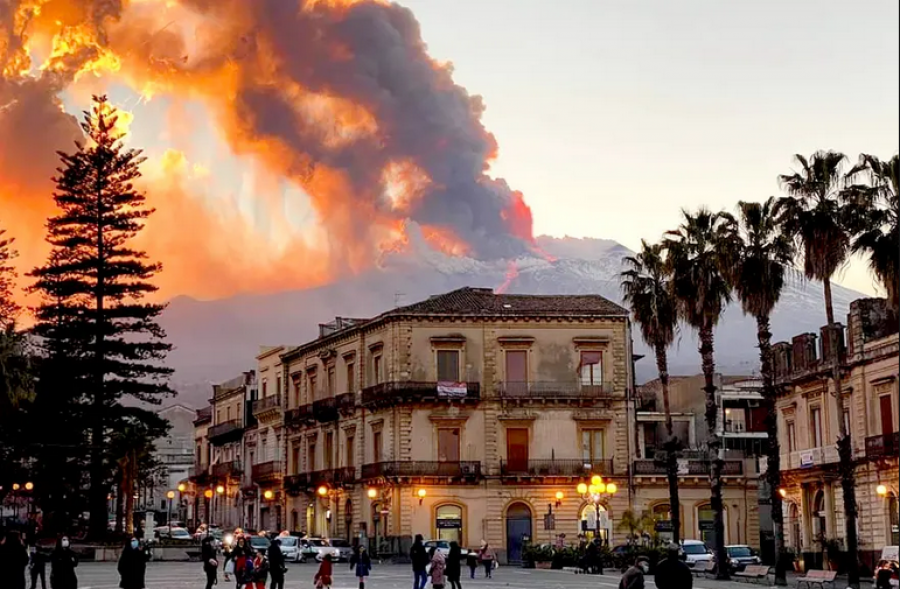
{"x": 421, "y": 493}
{"x": 597, "y": 493}
{"x": 29, "y": 486}
{"x": 881, "y": 490}
{"x": 559, "y": 497}
{"x": 268, "y": 495}
{"x": 372, "y": 493}
{"x": 182, "y": 487}
{"x": 783, "y": 492}
{"x": 169, "y": 495}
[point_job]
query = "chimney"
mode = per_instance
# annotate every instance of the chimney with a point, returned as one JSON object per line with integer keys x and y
{"x": 804, "y": 351}
{"x": 838, "y": 338}
{"x": 781, "y": 353}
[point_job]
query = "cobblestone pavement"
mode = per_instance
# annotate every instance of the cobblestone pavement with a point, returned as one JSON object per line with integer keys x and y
{"x": 178, "y": 575}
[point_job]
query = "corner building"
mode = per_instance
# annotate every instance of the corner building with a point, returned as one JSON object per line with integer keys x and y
{"x": 461, "y": 417}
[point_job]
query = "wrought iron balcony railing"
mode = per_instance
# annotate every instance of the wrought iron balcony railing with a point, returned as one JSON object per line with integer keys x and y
{"x": 408, "y": 391}
{"x": 266, "y": 404}
{"x": 885, "y": 445}
{"x": 420, "y": 468}
{"x": 554, "y": 467}
{"x": 231, "y": 468}
{"x": 225, "y": 428}
{"x": 299, "y": 415}
{"x": 554, "y": 390}
{"x": 267, "y": 470}
{"x": 695, "y": 468}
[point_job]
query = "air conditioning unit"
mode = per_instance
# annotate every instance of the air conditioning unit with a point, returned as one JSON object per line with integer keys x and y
{"x": 753, "y": 404}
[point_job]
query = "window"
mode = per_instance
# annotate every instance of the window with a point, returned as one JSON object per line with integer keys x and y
{"x": 449, "y": 523}
{"x": 448, "y": 444}
{"x": 886, "y": 405}
{"x": 846, "y": 416}
{"x": 376, "y": 369}
{"x": 377, "y": 449}
{"x": 591, "y": 368}
{"x": 592, "y": 445}
{"x": 351, "y": 460}
{"x": 263, "y": 453}
{"x": 791, "y": 437}
{"x": 331, "y": 381}
{"x": 265, "y": 385}
{"x": 295, "y": 460}
{"x": 228, "y": 414}
{"x": 815, "y": 427}
{"x": 313, "y": 393}
{"x": 278, "y": 385}
{"x": 329, "y": 450}
{"x": 218, "y": 416}
{"x": 448, "y": 365}
{"x": 296, "y": 392}
{"x": 517, "y": 449}
{"x": 351, "y": 382}
{"x": 311, "y": 456}
{"x": 277, "y": 451}
{"x": 516, "y": 372}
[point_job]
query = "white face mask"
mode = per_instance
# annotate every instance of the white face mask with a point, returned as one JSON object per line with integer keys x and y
{"x": 65, "y": 543}
{"x": 645, "y": 567}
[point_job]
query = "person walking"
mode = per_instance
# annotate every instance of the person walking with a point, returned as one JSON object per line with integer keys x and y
{"x": 634, "y": 576}
{"x": 37, "y": 565}
{"x": 210, "y": 564}
{"x": 324, "y": 575}
{"x": 487, "y": 557}
{"x": 472, "y": 562}
{"x": 62, "y": 566}
{"x": 362, "y": 565}
{"x": 276, "y": 564}
{"x": 438, "y": 567}
{"x": 260, "y": 570}
{"x": 672, "y": 572}
{"x": 13, "y": 560}
{"x": 454, "y": 565}
{"x": 132, "y": 566}
{"x": 419, "y": 558}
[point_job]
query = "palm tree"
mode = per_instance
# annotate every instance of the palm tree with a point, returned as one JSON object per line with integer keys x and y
{"x": 814, "y": 214}
{"x": 876, "y": 208}
{"x": 761, "y": 258}
{"x": 702, "y": 291}
{"x": 646, "y": 288}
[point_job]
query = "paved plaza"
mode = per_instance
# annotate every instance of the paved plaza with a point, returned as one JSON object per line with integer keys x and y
{"x": 179, "y": 575}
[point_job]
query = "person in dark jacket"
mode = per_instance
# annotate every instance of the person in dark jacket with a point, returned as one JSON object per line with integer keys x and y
{"x": 472, "y": 562}
{"x": 634, "y": 576}
{"x": 361, "y": 565}
{"x": 419, "y": 557}
{"x": 672, "y": 572}
{"x": 62, "y": 566}
{"x": 276, "y": 564}
{"x": 132, "y": 566}
{"x": 453, "y": 566}
{"x": 38, "y": 566}
{"x": 13, "y": 560}
{"x": 210, "y": 564}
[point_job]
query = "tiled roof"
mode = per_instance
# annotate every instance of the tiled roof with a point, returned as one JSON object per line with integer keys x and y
{"x": 483, "y": 301}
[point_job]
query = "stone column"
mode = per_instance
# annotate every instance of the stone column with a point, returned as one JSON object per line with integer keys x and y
{"x": 805, "y": 524}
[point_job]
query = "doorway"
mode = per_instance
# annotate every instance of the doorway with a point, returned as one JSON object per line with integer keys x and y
{"x": 517, "y": 449}
{"x": 518, "y": 531}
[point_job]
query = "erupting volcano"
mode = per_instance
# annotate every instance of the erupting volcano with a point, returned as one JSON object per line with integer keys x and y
{"x": 338, "y": 99}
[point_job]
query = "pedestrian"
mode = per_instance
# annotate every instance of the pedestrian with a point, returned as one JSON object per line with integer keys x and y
{"x": 13, "y": 560}
{"x": 37, "y": 566}
{"x": 132, "y": 565}
{"x": 488, "y": 559}
{"x": 276, "y": 564}
{"x": 438, "y": 567}
{"x": 592, "y": 553}
{"x": 241, "y": 556}
{"x": 362, "y": 565}
{"x": 634, "y": 576}
{"x": 62, "y": 566}
{"x": 323, "y": 577}
{"x": 210, "y": 564}
{"x": 260, "y": 570}
{"x": 672, "y": 572}
{"x": 454, "y": 564}
{"x": 472, "y": 562}
{"x": 883, "y": 574}
{"x": 419, "y": 558}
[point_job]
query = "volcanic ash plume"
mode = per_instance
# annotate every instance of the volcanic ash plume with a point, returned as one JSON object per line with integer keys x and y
{"x": 339, "y": 98}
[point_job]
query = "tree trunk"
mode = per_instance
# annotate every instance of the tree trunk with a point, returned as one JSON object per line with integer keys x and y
{"x": 773, "y": 463}
{"x": 662, "y": 366}
{"x": 846, "y": 466}
{"x": 129, "y": 493}
{"x": 120, "y": 498}
{"x": 715, "y": 450}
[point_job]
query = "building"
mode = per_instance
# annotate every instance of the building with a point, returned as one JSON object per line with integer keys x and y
{"x": 175, "y": 453}
{"x": 468, "y": 416}
{"x": 741, "y": 428}
{"x": 199, "y": 481}
{"x": 808, "y": 427}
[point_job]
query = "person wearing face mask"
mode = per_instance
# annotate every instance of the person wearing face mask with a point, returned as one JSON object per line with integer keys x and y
{"x": 634, "y": 576}
{"x": 132, "y": 566}
{"x": 62, "y": 566}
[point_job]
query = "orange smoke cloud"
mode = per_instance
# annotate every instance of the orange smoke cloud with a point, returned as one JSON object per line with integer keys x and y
{"x": 337, "y": 97}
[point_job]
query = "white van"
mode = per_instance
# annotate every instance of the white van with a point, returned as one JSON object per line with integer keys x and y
{"x": 695, "y": 551}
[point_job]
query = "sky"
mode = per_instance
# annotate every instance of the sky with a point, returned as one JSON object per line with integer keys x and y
{"x": 612, "y": 115}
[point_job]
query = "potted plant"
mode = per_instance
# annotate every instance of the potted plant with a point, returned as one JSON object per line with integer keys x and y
{"x": 832, "y": 548}
{"x": 541, "y": 556}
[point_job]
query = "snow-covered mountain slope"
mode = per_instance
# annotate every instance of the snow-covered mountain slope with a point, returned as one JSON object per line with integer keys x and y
{"x": 216, "y": 339}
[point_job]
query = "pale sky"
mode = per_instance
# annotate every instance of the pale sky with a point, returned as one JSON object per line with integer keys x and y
{"x": 612, "y": 115}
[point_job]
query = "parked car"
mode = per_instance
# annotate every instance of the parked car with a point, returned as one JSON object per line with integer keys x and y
{"x": 172, "y": 533}
{"x": 290, "y": 548}
{"x": 696, "y": 553}
{"x": 342, "y": 551}
{"x": 739, "y": 556}
{"x": 443, "y": 546}
{"x": 259, "y": 543}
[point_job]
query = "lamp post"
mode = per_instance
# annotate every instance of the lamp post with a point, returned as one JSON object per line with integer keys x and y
{"x": 208, "y": 495}
{"x": 220, "y": 490}
{"x": 169, "y": 495}
{"x": 597, "y": 493}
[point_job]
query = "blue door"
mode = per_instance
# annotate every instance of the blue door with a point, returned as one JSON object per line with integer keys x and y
{"x": 518, "y": 529}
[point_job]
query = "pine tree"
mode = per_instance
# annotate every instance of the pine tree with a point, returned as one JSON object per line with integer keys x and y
{"x": 9, "y": 309}
{"x": 92, "y": 318}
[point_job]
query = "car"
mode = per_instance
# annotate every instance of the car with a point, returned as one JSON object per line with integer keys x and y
{"x": 443, "y": 546}
{"x": 315, "y": 548}
{"x": 172, "y": 533}
{"x": 290, "y": 548}
{"x": 740, "y": 556}
{"x": 259, "y": 543}
{"x": 696, "y": 552}
{"x": 343, "y": 550}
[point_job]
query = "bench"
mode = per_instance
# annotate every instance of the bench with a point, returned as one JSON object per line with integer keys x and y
{"x": 754, "y": 572}
{"x": 704, "y": 568}
{"x": 817, "y": 577}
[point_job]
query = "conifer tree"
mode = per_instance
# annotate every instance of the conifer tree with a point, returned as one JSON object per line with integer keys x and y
{"x": 101, "y": 338}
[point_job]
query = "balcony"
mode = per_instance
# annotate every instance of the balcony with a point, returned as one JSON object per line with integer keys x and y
{"x": 297, "y": 483}
{"x": 389, "y": 394}
{"x": 203, "y": 416}
{"x": 331, "y": 408}
{"x": 266, "y": 471}
{"x": 333, "y": 477}
{"x": 227, "y": 431}
{"x": 272, "y": 403}
{"x": 468, "y": 471}
{"x": 695, "y": 468}
{"x": 198, "y": 472}
{"x": 555, "y": 391}
{"x": 555, "y": 468}
{"x": 298, "y": 416}
{"x": 228, "y": 469}
{"x": 883, "y": 446}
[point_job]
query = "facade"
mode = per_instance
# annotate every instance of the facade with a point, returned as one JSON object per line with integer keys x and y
{"x": 808, "y": 427}
{"x": 264, "y": 447}
{"x": 739, "y": 426}
{"x": 176, "y": 453}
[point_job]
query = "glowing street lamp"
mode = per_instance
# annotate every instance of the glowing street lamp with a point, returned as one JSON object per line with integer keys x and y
{"x": 268, "y": 495}
{"x": 220, "y": 489}
{"x": 169, "y": 495}
{"x": 596, "y": 493}
{"x": 559, "y": 498}
{"x": 881, "y": 490}
{"x": 29, "y": 486}
{"x": 421, "y": 493}
{"x": 182, "y": 487}
{"x": 783, "y": 492}
{"x": 322, "y": 491}
{"x": 372, "y": 493}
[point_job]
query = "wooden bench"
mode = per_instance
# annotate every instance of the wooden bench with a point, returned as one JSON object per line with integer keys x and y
{"x": 754, "y": 572}
{"x": 704, "y": 568}
{"x": 817, "y": 577}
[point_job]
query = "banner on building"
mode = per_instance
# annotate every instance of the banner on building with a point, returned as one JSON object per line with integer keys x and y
{"x": 452, "y": 390}
{"x": 807, "y": 459}
{"x": 683, "y": 467}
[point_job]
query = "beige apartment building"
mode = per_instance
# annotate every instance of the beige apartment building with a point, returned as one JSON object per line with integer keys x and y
{"x": 808, "y": 428}
{"x": 469, "y": 416}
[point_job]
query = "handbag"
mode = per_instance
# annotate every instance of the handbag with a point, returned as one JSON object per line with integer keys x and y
{"x": 229, "y": 567}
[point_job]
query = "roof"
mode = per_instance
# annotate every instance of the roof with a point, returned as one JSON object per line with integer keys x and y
{"x": 484, "y": 301}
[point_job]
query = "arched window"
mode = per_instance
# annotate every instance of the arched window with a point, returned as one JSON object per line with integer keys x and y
{"x": 448, "y": 520}
{"x": 662, "y": 513}
{"x": 591, "y": 523}
{"x": 818, "y": 516}
{"x": 706, "y": 523}
{"x": 793, "y": 522}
